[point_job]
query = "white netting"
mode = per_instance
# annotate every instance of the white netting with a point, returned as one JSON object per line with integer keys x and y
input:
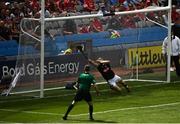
{"x": 131, "y": 40}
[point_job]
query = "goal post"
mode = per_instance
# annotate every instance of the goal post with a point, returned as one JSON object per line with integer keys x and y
{"x": 42, "y": 48}
{"x": 169, "y": 40}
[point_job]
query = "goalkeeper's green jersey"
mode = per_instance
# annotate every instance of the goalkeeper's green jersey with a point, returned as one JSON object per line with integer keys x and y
{"x": 85, "y": 80}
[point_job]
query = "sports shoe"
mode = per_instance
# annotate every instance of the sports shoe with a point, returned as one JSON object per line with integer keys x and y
{"x": 64, "y": 117}
{"x": 91, "y": 118}
{"x": 127, "y": 88}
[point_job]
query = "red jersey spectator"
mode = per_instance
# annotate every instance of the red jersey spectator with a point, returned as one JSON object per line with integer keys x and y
{"x": 69, "y": 5}
{"x": 150, "y": 2}
{"x": 175, "y": 15}
{"x": 96, "y": 25}
{"x": 128, "y": 22}
{"x": 89, "y": 5}
{"x": 84, "y": 29}
{"x": 34, "y": 4}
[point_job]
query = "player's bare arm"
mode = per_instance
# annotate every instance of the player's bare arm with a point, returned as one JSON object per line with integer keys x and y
{"x": 93, "y": 62}
{"x": 104, "y": 61}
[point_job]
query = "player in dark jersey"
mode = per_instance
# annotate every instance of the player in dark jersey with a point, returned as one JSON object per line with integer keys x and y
{"x": 84, "y": 82}
{"x": 108, "y": 74}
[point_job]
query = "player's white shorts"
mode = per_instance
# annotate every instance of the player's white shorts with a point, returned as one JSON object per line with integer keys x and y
{"x": 114, "y": 80}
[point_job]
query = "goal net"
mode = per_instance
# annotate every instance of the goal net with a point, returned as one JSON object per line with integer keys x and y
{"x": 131, "y": 40}
{"x": 133, "y": 44}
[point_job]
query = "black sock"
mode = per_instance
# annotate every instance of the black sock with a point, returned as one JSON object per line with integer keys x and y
{"x": 91, "y": 111}
{"x": 69, "y": 109}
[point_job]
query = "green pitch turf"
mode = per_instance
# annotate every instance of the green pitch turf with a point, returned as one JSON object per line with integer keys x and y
{"x": 148, "y": 102}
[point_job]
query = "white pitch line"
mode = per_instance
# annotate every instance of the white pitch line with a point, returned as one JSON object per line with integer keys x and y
{"x": 138, "y": 86}
{"x": 6, "y": 122}
{"x": 130, "y": 108}
{"x": 70, "y": 94}
{"x": 100, "y": 112}
{"x": 30, "y": 112}
{"x": 28, "y": 99}
{"x": 3, "y": 122}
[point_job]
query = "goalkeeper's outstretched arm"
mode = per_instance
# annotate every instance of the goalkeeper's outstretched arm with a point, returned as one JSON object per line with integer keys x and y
{"x": 94, "y": 63}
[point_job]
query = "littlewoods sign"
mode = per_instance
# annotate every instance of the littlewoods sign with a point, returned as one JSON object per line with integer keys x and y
{"x": 147, "y": 56}
{"x": 59, "y": 65}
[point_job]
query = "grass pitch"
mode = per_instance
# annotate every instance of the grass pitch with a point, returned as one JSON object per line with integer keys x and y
{"x": 148, "y": 102}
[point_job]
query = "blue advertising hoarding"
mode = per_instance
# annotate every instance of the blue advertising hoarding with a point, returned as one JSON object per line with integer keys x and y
{"x": 55, "y": 67}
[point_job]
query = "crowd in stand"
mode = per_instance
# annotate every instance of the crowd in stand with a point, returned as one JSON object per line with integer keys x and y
{"x": 12, "y": 11}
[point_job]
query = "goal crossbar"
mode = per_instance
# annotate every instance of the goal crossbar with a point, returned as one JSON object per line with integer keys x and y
{"x": 153, "y": 9}
{"x": 116, "y": 13}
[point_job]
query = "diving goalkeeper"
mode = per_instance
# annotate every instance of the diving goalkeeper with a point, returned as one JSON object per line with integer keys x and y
{"x": 108, "y": 74}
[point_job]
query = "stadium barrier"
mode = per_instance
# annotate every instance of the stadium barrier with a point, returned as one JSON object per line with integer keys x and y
{"x": 55, "y": 67}
{"x": 10, "y": 48}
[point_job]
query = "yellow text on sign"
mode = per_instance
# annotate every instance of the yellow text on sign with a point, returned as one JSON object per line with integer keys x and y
{"x": 147, "y": 56}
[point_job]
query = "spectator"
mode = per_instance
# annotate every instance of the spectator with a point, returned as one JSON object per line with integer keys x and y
{"x": 69, "y": 5}
{"x": 34, "y": 4}
{"x": 15, "y": 31}
{"x": 96, "y": 26}
{"x": 177, "y": 29}
{"x": 2, "y": 13}
{"x": 175, "y": 50}
{"x": 133, "y": 3}
{"x": 175, "y": 15}
{"x": 70, "y": 50}
{"x": 128, "y": 22}
{"x": 84, "y": 29}
{"x": 69, "y": 26}
{"x": 12, "y": 12}
{"x": 113, "y": 23}
{"x": 89, "y": 5}
{"x": 151, "y": 2}
{"x": 5, "y": 32}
